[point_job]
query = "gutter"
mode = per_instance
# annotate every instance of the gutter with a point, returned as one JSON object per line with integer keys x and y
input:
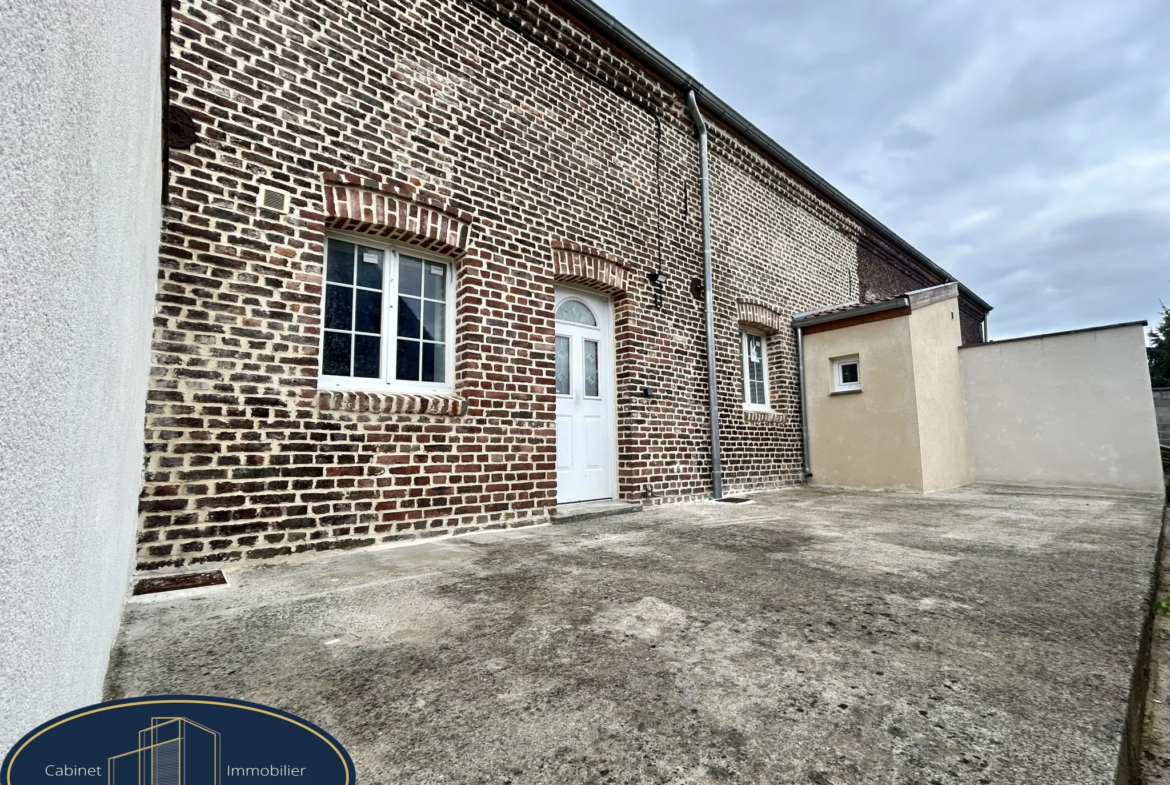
{"x": 625, "y": 39}
{"x": 708, "y": 293}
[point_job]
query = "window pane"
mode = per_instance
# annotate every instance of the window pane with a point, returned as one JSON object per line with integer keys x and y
{"x": 849, "y": 373}
{"x": 755, "y": 348}
{"x": 369, "y": 272}
{"x": 335, "y": 354}
{"x": 366, "y": 350}
{"x": 755, "y": 358}
{"x": 576, "y": 312}
{"x": 562, "y": 365}
{"x": 409, "y": 316}
{"x": 436, "y": 281}
{"x": 591, "y": 377}
{"x": 340, "y": 267}
{"x": 410, "y": 272}
{"x": 369, "y": 312}
{"x": 757, "y": 371}
{"x": 434, "y": 321}
{"x": 338, "y": 307}
{"x": 756, "y": 383}
{"x": 406, "y": 365}
{"x": 434, "y": 363}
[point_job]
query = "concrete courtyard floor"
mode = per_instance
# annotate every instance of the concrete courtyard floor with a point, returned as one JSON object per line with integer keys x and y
{"x": 984, "y": 635}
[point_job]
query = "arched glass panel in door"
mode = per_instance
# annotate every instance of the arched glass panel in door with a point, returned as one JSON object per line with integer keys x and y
{"x": 576, "y": 312}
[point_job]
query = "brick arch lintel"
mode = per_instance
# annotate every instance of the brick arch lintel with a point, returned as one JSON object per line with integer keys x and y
{"x": 573, "y": 263}
{"x": 396, "y": 211}
{"x": 753, "y": 313}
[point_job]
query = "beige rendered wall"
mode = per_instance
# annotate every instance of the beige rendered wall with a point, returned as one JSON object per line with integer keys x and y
{"x": 938, "y": 385}
{"x": 1072, "y": 409}
{"x": 867, "y": 439}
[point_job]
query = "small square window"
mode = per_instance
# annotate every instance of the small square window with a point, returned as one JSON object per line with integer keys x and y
{"x": 847, "y": 374}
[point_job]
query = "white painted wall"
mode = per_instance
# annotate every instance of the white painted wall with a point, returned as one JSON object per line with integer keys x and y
{"x": 80, "y": 106}
{"x": 1071, "y": 409}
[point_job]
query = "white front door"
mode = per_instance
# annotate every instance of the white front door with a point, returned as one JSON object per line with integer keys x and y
{"x": 585, "y": 397}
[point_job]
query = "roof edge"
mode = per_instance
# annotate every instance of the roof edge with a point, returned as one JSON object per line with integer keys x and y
{"x": 810, "y": 318}
{"x": 1140, "y": 323}
{"x": 597, "y": 17}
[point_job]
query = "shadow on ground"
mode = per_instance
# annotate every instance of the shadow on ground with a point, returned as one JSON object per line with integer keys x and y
{"x": 985, "y": 635}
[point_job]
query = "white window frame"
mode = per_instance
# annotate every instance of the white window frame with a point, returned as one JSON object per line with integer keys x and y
{"x": 386, "y": 383}
{"x": 840, "y": 386}
{"x": 766, "y": 406}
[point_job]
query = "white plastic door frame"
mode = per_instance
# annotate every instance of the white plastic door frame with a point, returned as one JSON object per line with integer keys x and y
{"x": 586, "y": 423}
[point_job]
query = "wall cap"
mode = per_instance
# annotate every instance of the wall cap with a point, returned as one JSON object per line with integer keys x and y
{"x": 1142, "y": 323}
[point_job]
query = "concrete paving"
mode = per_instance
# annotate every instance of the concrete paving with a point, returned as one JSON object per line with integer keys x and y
{"x": 984, "y": 635}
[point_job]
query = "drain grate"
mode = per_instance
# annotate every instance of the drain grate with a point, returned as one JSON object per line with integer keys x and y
{"x": 733, "y": 500}
{"x": 191, "y": 580}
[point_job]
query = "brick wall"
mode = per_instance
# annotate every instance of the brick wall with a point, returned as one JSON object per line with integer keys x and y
{"x": 528, "y": 151}
{"x": 884, "y": 274}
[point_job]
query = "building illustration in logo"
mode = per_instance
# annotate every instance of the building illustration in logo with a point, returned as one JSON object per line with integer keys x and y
{"x": 172, "y": 751}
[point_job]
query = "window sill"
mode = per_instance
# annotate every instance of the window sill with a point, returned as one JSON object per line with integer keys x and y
{"x": 440, "y": 404}
{"x": 758, "y": 414}
{"x": 372, "y": 386}
{"x": 845, "y": 392}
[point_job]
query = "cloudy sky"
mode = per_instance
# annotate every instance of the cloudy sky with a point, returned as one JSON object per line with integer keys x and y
{"x": 1023, "y": 146}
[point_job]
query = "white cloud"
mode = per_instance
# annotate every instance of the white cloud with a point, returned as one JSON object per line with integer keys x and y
{"x": 1023, "y": 146}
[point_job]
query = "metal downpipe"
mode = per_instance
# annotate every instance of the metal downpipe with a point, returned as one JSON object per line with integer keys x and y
{"x": 708, "y": 291}
{"x": 803, "y": 402}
